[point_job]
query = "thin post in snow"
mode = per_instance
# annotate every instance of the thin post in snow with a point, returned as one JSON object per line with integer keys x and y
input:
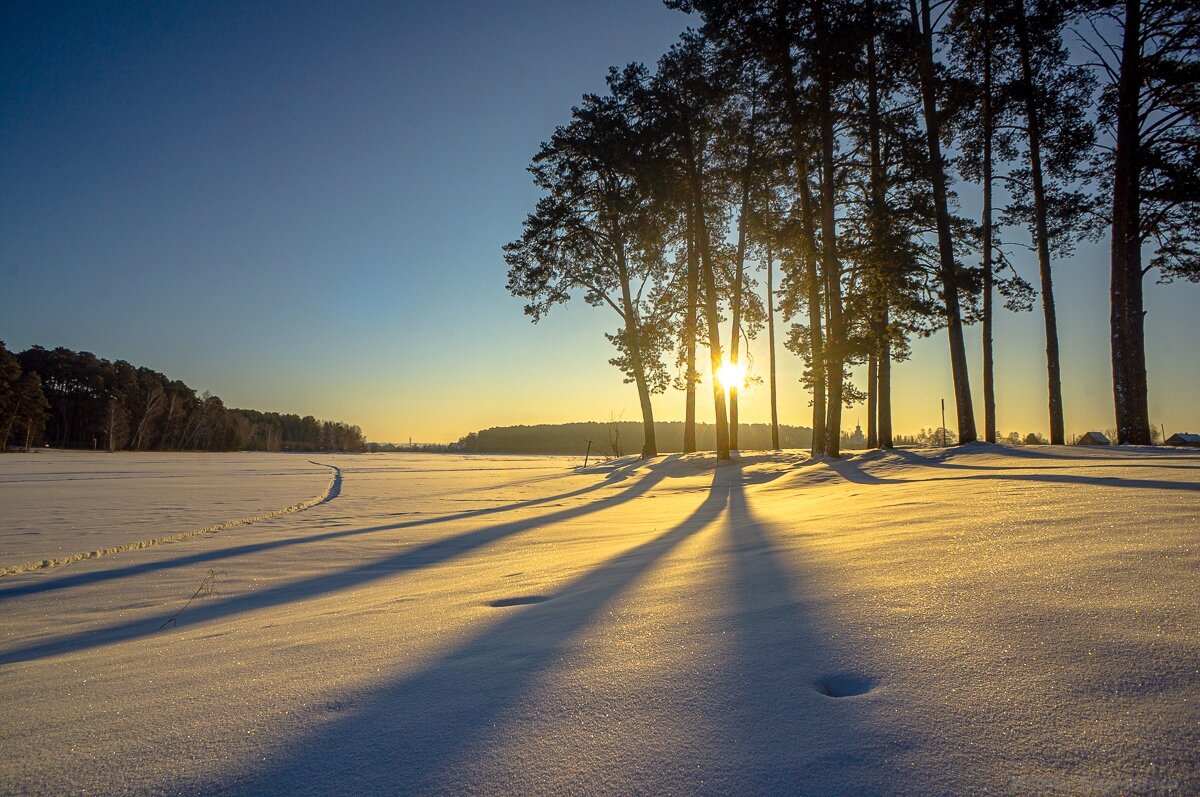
{"x": 943, "y": 423}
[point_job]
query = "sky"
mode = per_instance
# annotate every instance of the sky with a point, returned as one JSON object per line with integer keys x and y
{"x": 300, "y": 207}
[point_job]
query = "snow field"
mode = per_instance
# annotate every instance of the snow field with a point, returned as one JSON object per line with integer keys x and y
{"x": 62, "y": 505}
{"x": 998, "y": 621}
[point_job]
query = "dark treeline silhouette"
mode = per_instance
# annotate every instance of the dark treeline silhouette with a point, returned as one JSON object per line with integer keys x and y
{"x": 825, "y": 138}
{"x": 412, "y": 448}
{"x": 617, "y": 438}
{"x": 70, "y": 399}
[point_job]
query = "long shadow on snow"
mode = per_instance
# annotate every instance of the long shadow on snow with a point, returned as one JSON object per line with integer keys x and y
{"x": 939, "y": 456}
{"x": 414, "y": 735}
{"x": 1156, "y": 457}
{"x": 426, "y": 555}
{"x": 852, "y": 472}
{"x": 65, "y": 582}
{"x": 785, "y": 735}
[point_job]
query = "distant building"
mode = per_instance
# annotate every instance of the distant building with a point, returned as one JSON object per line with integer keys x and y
{"x": 1184, "y": 439}
{"x": 1093, "y": 439}
{"x": 858, "y": 439}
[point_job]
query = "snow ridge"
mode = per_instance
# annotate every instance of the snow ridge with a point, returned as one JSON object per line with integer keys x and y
{"x": 331, "y": 492}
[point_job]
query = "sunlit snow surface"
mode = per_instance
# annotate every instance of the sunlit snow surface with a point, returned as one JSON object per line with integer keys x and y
{"x": 991, "y": 620}
{"x": 59, "y": 503}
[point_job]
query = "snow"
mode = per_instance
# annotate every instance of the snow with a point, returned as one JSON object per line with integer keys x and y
{"x": 978, "y": 620}
{"x": 62, "y": 505}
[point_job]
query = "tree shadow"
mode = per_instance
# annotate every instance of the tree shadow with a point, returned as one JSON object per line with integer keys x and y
{"x": 425, "y": 555}
{"x": 852, "y": 471}
{"x": 421, "y": 733}
{"x": 53, "y": 583}
{"x": 793, "y": 731}
{"x": 1038, "y": 453}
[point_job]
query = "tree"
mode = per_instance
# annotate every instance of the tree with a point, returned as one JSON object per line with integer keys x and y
{"x": 973, "y": 46}
{"x": 1054, "y": 97}
{"x": 922, "y": 29}
{"x": 10, "y": 372}
{"x": 29, "y": 412}
{"x": 595, "y": 230}
{"x": 775, "y": 34}
{"x": 23, "y": 405}
{"x": 941, "y": 436}
{"x": 889, "y": 214}
{"x": 152, "y": 394}
{"x": 1150, "y": 107}
{"x": 747, "y": 145}
{"x": 116, "y": 424}
{"x": 770, "y": 266}
{"x": 684, "y": 102}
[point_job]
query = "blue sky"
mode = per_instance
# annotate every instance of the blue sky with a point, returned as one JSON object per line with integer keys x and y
{"x": 300, "y": 206}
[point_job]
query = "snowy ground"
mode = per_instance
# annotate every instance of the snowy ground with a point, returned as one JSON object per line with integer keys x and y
{"x": 59, "y": 503}
{"x": 991, "y": 620}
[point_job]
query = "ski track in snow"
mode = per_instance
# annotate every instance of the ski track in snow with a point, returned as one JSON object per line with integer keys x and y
{"x": 331, "y": 492}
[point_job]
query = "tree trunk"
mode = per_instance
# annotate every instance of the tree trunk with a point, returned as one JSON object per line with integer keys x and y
{"x": 989, "y": 383}
{"x": 634, "y": 347}
{"x": 12, "y": 420}
{"x": 872, "y": 399}
{"x": 797, "y": 124}
{"x": 831, "y": 269}
{"x": 735, "y": 340}
{"x": 1126, "y": 319}
{"x": 771, "y": 350}
{"x": 153, "y": 403}
{"x": 878, "y": 287}
{"x": 739, "y": 272}
{"x": 815, "y": 329}
{"x": 885, "y": 382}
{"x": 711, "y": 316}
{"x": 689, "y": 331}
{"x": 1041, "y": 231}
{"x": 649, "y": 445}
{"x": 949, "y": 276}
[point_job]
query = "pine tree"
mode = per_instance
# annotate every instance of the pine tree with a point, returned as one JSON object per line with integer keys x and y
{"x": 595, "y": 230}
{"x": 29, "y": 412}
{"x": 685, "y": 102}
{"x": 1053, "y": 97}
{"x": 926, "y": 68}
{"x": 1150, "y": 108}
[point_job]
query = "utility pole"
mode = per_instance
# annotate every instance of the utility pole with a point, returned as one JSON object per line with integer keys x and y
{"x": 943, "y": 423}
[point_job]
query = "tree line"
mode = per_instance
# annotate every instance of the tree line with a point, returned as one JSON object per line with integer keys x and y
{"x": 618, "y": 438}
{"x": 815, "y": 145}
{"x": 615, "y": 438}
{"x": 71, "y": 399}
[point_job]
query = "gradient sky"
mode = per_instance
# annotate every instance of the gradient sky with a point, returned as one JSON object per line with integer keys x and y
{"x": 300, "y": 207}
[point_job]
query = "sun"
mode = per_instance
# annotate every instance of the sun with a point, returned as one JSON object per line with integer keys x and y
{"x": 732, "y": 375}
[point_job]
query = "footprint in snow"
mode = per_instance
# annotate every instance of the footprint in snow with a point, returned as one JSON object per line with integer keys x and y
{"x": 844, "y": 684}
{"x": 520, "y": 600}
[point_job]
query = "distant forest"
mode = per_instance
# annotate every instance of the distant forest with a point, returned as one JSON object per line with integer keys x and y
{"x": 70, "y": 399}
{"x": 617, "y": 439}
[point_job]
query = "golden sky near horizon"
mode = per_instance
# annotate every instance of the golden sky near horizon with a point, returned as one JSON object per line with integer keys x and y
{"x": 557, "y": 372}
